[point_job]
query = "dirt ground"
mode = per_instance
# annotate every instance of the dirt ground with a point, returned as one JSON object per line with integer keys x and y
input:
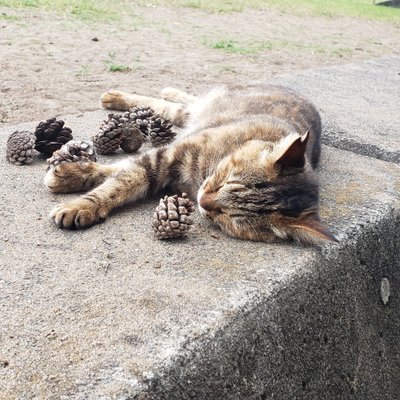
{"x": 52, "y": 64}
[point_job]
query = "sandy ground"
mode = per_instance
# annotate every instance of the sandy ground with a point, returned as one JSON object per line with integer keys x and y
{"x": 52, "y": 64}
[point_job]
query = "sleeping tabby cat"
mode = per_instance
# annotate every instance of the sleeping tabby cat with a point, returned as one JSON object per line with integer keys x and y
{"x": 248, "y": 153}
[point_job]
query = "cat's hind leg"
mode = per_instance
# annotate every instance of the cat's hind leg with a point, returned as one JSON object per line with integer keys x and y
{"x": 117, "y": 100}
{"x": 77, "y": 176}
{"x": 177, "y": 96}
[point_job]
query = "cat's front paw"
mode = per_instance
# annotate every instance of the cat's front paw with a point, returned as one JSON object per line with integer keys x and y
{"x": 69, "y": 177}
{"x": 78, "y": 214}
{"x": 114, "y": 100}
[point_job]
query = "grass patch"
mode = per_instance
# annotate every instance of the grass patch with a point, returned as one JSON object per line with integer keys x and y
{"x": 339, "y": 8}
{"x": 6, "y": 17}
{"x": 232, "y": 46}
{"x": 83, "y": 9}
{"x": 333, "y": 8}
{"x": 112, "y": 66}
{"x": 118, "y": 68}
{"x": 254, "y": 47}
{"x": 83, "y": 71}
{"x": 114, "y": 9}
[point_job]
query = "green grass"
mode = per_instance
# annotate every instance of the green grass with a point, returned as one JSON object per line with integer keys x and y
{"x": 253, "y": 47}
{"x": 232, "y": 46}
{"x": 112, "y": 66}
{"x": 333, "y": 8}
{"x": 113, "y": 9}
{"x": 118, "y": 68}
{"x": 83, "y": 71}
{"x": 7, "y": 17}
{"x": 83, "y": 9}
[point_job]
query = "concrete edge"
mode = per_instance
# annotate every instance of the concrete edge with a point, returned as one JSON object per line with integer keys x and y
{"x": 305, "y": 339}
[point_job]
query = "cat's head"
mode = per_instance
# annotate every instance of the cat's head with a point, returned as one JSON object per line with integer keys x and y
{"x": 264, "y": 190}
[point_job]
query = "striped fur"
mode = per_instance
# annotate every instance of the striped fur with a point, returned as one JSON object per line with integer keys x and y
{"x": 246, "y": 152}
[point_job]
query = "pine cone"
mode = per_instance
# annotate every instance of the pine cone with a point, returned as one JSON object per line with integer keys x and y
{"x": 115, "y": 132}
{"x": 172, "y": 216}
{"x": 160, "y": 132}
{"x": 141, "y": 116}
{"x": 51, "y": 135}
{"x": 73, "y": 151}
{"x": 20, "y": 147}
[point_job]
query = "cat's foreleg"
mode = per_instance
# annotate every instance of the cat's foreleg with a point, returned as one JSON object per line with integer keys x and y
{"x": 133, "y": 181}
{"x": 117, "y": 100}
{"x": 77, "y": 176}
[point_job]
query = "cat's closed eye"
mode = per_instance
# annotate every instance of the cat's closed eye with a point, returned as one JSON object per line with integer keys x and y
{"x": 239, "y": 189}
{"x": 236, "y": 186}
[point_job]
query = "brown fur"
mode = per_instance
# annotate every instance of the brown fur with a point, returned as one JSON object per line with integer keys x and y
{"x": 247, "y": 152}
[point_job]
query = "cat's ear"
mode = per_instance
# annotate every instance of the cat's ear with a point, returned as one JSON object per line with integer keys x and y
{"x": 294, "y": 155}
{"x": 312, "y": 230}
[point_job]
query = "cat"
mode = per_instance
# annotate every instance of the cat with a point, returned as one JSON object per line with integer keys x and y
{"x": 247, "y": 152}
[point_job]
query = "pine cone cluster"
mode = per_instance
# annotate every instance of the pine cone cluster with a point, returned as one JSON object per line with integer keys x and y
{"x": 120, "y": 130}
{"x": 48, "y": 137}
{"x": 141, "y": 116}
{"x": 117, "y": 132}
{"x": 20, "y": 147}
{"x": 51, "y": 135}
{"x": 172, "y": 216}
{"x": 73, "y": 151}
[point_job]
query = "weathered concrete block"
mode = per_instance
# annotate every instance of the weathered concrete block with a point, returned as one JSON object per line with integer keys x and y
{"x": 359, "y": 104}
{"x": 111, "y": 313}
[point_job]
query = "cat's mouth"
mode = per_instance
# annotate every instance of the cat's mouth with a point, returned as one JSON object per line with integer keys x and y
{"x": 228, "y": 223}
{"x": 210, "y": 214}
{"x": 207, "y": 205}
{"x": 231, "y": 223}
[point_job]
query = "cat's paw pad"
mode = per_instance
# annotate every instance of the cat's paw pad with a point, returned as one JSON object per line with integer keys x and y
{"x": 113, "y": 99}
{"x": 78, "y": 214}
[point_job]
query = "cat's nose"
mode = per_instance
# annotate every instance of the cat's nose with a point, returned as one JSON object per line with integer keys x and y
{"x": 208, "y": 202}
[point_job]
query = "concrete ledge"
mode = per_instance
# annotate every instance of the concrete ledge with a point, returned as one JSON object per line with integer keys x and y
{"x": 110, "y": 313}
{"x": 358, "y": 103}
{"x": 326, "y": 334}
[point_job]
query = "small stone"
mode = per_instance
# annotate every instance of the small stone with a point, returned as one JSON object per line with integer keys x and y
{"x": 385, "y": 291}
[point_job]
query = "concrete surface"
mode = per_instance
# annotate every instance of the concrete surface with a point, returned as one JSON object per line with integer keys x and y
{"x": 359, "y": 105}
{"x": 111, "y": 313}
